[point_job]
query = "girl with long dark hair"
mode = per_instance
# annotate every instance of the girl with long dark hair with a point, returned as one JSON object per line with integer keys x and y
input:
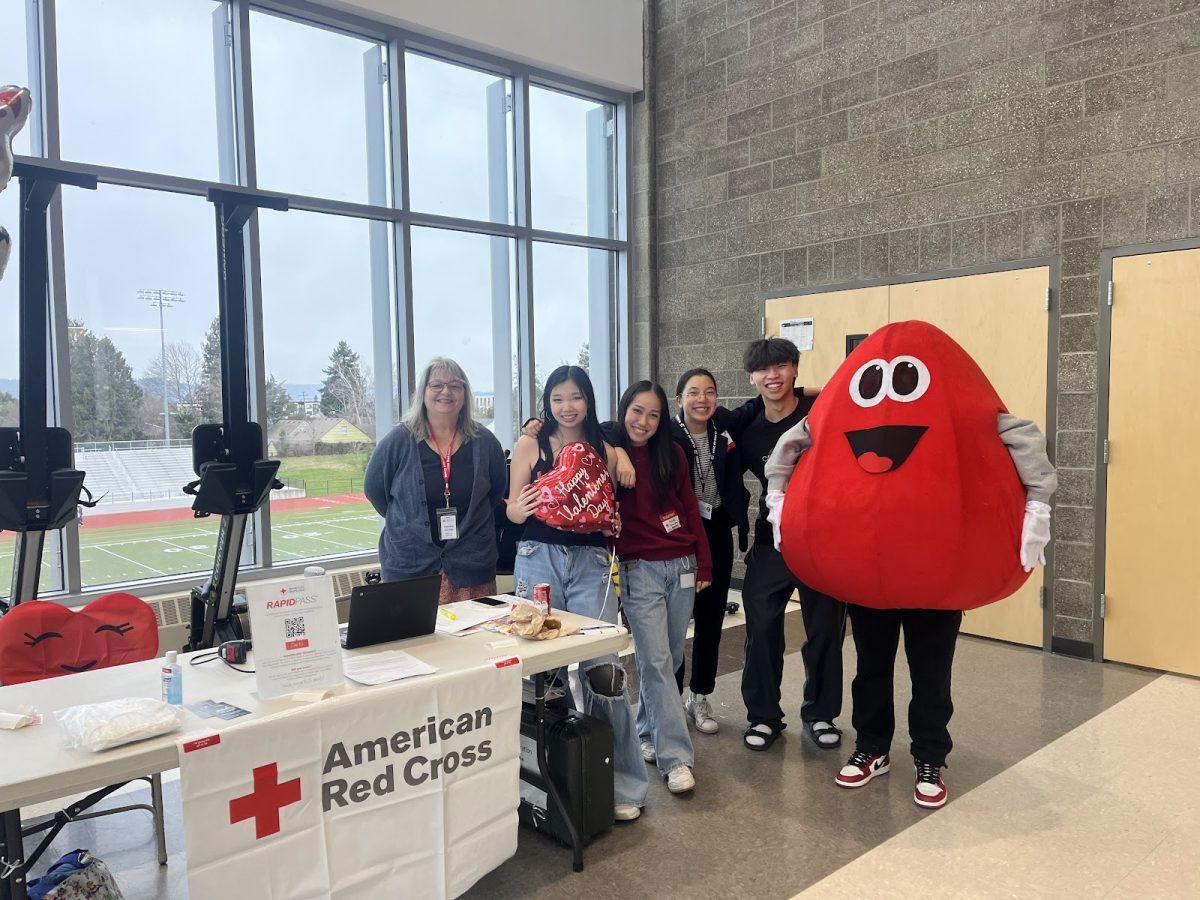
{"x": 716, "y": 470}
{"x": 576, "y": 566}
{"x": 664, "y": 560}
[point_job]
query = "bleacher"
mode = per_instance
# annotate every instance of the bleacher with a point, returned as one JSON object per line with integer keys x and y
{"x": 135, "y": 477}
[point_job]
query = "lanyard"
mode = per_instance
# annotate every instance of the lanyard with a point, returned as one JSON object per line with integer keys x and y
{"x": 700, "y": 475}
{"x": 445, "y": 459}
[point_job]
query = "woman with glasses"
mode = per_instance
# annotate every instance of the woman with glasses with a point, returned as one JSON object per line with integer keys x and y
{"x": 437, "y": 479}
{"x": 715, "y": 465}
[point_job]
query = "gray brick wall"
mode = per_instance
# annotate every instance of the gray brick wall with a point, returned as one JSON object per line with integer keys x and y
{"x": 809, "y": 142}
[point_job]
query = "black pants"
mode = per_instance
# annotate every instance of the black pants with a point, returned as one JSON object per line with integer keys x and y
{"x": 709, "y": 611}
{"x": 766, "y": 591}
{"x": 929, "y": 639}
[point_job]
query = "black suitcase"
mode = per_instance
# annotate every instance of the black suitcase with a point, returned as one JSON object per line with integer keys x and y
{"x": 579, "y": 753}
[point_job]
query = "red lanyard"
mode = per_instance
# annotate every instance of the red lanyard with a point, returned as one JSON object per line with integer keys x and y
{"x": 445, "y": 458}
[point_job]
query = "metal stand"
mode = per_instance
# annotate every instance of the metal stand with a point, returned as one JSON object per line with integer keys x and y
{"x": 552, "y": 794}
{"x": 234, "y": 477}
{"x": 12, "y": 857}
{"x": 39, "y": 485}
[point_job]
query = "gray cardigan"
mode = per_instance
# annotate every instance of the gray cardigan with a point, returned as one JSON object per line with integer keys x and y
{"x": 395, "y": 485}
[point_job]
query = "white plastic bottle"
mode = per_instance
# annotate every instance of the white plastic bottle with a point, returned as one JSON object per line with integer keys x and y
{"x": 172, "y": 680}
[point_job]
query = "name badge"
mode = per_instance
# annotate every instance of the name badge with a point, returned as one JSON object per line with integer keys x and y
{"x": 706, "y": 509}
{"x": 448, "y": 523}
{"x": 671, "y": 522}
{"x": 687, "y": 579}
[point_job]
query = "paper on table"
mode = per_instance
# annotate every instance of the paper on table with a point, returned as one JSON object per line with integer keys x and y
{"x": 380, "y": 668}
{"x": 456, "y": 618}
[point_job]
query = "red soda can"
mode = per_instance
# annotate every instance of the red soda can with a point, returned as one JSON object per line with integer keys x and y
{"x": 541, "y": 597}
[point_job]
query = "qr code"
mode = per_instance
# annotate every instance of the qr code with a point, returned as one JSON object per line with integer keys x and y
{"x": 294, "y": 628}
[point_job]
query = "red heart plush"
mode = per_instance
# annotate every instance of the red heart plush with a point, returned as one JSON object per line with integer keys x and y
{"x": 39, "y": 639}
{"x": 908, "y": 498}
{"x": 577, "y": 494}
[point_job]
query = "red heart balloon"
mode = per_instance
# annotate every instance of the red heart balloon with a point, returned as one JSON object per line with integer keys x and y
{"x": 39, "y": 639}
{"x": 577, "y": 494}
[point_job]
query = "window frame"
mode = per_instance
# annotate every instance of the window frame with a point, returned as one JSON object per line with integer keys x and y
{"x": 397, "y": 377}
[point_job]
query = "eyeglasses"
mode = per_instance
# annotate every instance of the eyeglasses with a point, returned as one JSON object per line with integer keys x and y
{"x": 454, "y": 387}
{"x": 695, "y": 394}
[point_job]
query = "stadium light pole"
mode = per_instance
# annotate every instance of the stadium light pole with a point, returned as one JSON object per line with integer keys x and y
{"x": 163, "y": 299}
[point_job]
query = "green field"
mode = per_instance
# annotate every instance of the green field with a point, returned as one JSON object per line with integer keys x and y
{"x": 117, "y": 554}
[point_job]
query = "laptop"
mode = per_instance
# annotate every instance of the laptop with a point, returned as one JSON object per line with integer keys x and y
{"x": 391, "y": 611}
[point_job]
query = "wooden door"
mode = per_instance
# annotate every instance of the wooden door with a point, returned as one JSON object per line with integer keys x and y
{"x": 1152, "y": 523}
{"x": 836, "y": 316}
{"x": 1000, "y": 318}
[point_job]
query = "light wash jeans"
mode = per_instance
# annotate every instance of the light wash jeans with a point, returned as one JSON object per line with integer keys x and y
{"x": 658, "y": 608}
{"x": 578, "y": 579}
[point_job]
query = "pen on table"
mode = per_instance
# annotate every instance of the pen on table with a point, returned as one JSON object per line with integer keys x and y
{"x": 447, "y": 614}
{"x": 597, "y": 627}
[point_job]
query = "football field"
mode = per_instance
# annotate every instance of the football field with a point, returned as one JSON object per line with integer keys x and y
{"x": 119, "y": 553}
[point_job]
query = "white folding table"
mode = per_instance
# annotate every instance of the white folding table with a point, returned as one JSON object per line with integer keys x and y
{"x": 35, "y": 766}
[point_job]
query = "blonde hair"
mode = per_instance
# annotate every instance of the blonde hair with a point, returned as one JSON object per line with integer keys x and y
{"x": 417, "y": 420}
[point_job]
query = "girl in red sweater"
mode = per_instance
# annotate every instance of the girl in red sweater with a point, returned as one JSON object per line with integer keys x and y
{"x": 664, "y": 561}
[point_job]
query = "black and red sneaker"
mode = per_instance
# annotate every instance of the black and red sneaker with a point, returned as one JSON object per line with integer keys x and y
{"x": 930, "y": 790}
{"x": 861, "y": 768}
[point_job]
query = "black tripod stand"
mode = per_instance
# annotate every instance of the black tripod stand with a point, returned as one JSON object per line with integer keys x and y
{"x": 234, "y": 477}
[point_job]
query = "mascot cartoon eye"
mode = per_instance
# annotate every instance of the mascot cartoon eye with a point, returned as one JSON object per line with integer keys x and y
{"x": 44, "y": 636}
{"x": 909, "y": 379}
{"x": 868, "y": 386}
{"x": 122, "y": 629}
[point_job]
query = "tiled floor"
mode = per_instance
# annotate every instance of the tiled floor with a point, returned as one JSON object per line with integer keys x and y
{"x": 1111, "y": 809}
{"x": 1052, "y": 751}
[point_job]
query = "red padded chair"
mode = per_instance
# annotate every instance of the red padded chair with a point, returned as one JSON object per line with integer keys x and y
{"x": 41, "y": 640}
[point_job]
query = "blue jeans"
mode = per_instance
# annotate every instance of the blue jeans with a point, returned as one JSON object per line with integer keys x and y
{"x": 658, "y": 607}
{"x": 578, "y": 579}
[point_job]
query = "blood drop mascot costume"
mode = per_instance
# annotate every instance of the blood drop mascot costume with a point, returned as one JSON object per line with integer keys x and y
{"x": 912, "y": 494}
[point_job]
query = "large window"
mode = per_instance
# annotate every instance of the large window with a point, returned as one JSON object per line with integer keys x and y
{"x": 141, "y": 337}
{"x": 460, "y": 140}
{"x": 319, "y": 108}
{"x": 14, "y": 69}
{"x": 463, "y": 307}
{"x": 572, "y": 143}
{"x": 320, "y": 312}
{"x": 441, "y": 203}
{"x": 152, "y": 105}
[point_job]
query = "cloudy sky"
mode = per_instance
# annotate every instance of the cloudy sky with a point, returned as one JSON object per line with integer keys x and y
{"x": 156, "y": 109}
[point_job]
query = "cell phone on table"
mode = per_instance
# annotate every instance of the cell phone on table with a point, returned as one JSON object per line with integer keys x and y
{"x": 490, "y": 601}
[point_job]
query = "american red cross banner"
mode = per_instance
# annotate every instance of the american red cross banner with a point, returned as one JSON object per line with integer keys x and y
{"x": 402, "y": 790}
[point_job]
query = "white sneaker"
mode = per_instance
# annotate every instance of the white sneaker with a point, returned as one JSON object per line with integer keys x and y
{"x": 626, "y": 812}
{"x": 680, "y": 780}
{"x": 648, "y": 753}
{"x": 700, "y": 712}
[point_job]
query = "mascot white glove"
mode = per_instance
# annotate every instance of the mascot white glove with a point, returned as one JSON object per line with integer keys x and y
{"x": 774, "y": 513}
{"x": 1035, "y": 534}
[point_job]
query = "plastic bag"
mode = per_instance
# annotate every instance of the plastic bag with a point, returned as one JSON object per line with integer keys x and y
{"x": 101, "y": 726}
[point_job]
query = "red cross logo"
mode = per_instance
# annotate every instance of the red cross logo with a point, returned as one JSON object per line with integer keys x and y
{"x": 265, "y": 801}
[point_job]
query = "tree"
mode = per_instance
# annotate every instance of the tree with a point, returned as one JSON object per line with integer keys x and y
{"x": 105, "y": 398}
{"x": 184, "y": 367}
{"x": 10, "y": 410}
{"x": 347, "y": 390}
{"x": 585, "y": 357}
{"x": 280, "y": 405}
{"x": 210, "y": 380}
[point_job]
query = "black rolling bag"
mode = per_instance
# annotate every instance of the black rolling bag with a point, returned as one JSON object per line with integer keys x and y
{"x": 579, "y": 753}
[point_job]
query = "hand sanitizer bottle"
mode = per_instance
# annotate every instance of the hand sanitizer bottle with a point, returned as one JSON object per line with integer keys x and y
{"x": 172, "y": 680}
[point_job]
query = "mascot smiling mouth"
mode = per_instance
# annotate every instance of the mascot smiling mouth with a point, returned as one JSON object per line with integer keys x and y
{"x": 885, "y": 448}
